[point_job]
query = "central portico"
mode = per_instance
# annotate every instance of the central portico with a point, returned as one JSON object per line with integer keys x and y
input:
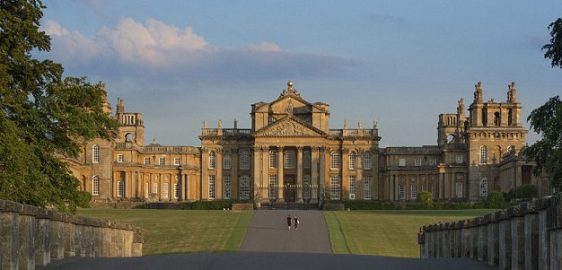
{"x": 289, "y": 155}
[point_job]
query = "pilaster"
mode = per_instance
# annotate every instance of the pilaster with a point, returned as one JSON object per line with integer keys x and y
{"x": 299, "y": 174}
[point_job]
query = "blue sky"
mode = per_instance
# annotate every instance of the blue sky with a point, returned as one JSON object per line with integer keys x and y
{"x": 400, "y": 63}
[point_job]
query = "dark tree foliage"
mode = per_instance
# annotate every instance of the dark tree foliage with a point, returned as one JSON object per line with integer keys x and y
{"x": 42, "y": 115}
{"x": 547, "y": 152}
{"x": 554, "y": 49}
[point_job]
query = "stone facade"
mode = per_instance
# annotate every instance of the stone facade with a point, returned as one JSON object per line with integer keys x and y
{"x": 290, "y": 154}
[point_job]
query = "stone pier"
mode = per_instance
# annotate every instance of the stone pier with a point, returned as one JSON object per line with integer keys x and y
{"x": 526, "y": 236}
{"x": 32, "y": 236}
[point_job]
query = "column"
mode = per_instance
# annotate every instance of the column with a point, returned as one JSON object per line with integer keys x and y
{"x": 257, "y": 174}
{"x": 280, "y": 184}
{"x": 183, "y": 180}
{"x": 344, "y": 172}
{"x": 322, "y": 179}
{"x": 265, "y": 173}
{"x": 314, "y": 154}
{"x": 441, "y": 185}
{"x": 360, "y": 181}
{"x": 234, "y": 186}
{"x": 299, "y": 174}
{"x": 218, "y": 177}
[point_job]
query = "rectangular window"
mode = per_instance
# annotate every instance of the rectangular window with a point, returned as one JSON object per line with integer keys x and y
{"x": 458, "y": 189}
{"x": 212, "y": 186}
{"x": 146, "y": 161}
{"x": 459, "y": 159}
{"x": 352, "y": 161}
{"x": 272, "y": 159}
{"x": 335, "y": 187}
{"x": 306, "y": 159}
{"x": 367, "y": 161}
{"x": 177, "y": 187}
{"x": 335, "y": 160}
{"x": 165, "y": 189}
{"x": 273, "y": 186}
{"x": 162, "y": 161}
{"x": 120, "y": 158}
{"x": 352, "y": 187}
{"x": 306, "y": 186}
{"x": 121, "y": 189}
{"x": 226, "y": 161}
{"x": 401, "y": 192}
{"x": 289, "y": 159}
{"x": 146, "y": 190}
{"x": 227, "y": 182}
{"x": 402, "y": 162}
{"x": 244, "y": 187}
{"x": 244, "y": 160}
{"x": 413, "y": 191}
{"x": 154, "y": 188}
{"x": 177, "y": 161}
{"x": 367, "y": 188}
{"x": 418, "y": 162}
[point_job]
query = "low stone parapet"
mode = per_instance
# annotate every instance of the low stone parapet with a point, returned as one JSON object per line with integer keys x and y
{"x": 526, "y": 236}
{"x": 32, "y": 236}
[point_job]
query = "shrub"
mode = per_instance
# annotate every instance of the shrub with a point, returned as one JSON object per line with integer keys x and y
{"x": 425, "y": 199}
{"x": 495, "y": 200}
{"x": 526, "y": 192}
{"x": 83, "y": 199}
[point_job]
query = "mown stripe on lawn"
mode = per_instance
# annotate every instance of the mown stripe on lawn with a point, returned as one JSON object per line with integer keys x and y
{"x": 234, "y": 241}
{"x": 337, "y": 236}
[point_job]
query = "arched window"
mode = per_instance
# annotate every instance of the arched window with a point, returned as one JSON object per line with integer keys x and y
{"x": 484, "y": 187}
{"x": 335, "y": 160}
{"x": 497, "y": 119}
{"x": 95, "y": 185}
{"x": 244, "y": 187}
{"x": 352, "y": 160}
{"x": 483, "y": 154}
{"x": 95, "y": 153}
{"x": 367, "y": 161}
{"x": 212, "y": 160}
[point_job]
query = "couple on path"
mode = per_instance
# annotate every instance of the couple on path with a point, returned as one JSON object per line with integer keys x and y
{"x": 295, "y": 222}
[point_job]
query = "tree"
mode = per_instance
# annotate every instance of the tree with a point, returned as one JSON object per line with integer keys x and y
{"x": 546, "y": 120}
{"x": 425, "y": 199}
{"x": 554, "y": 49}
{"x": 42, "y": 115}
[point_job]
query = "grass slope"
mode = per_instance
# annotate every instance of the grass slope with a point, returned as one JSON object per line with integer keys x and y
{"x": 385, "y": 233}
{"x": 171, "y": 231}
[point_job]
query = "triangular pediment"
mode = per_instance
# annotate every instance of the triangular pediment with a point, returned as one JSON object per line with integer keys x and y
{"x": 289, "y": 127}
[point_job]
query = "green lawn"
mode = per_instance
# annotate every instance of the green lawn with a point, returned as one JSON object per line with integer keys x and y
{"x": 385, "y": 233}
{"x": 171, "y": 231}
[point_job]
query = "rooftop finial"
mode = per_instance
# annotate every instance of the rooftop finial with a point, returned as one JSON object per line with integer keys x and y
{"x": 478, "y": 97}
{"x": 511, "y": 93}
{"x": 290, "y": 90}
{"x": 290, "y": 85}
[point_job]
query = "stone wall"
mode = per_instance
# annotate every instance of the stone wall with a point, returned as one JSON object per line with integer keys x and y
{"x": 32, "y": 236}
{"x": 527, "y": 236}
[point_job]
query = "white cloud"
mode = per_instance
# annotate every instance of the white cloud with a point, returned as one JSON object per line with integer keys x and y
{"x": 72, "y": 45}
{"x": 265, "y": 47}
{"x": 132, "y": 48}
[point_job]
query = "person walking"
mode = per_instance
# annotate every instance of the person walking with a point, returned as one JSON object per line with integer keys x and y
{"x": 289, "y": 222}
{"x": 296, "y": 222}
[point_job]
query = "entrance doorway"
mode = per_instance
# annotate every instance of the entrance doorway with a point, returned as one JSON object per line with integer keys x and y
{"x": 290, "y": 190}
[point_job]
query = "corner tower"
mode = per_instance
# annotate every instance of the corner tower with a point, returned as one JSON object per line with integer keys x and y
{"x": 493, "y": 131}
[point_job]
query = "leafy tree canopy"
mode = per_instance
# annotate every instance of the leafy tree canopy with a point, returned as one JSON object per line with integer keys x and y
{"x": 43, "y": 116}
{"x": 547, "y": 152}
{"x": 554, "y": 48}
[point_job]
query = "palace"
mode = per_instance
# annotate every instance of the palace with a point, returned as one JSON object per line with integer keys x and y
{"x": 290, "y": 154}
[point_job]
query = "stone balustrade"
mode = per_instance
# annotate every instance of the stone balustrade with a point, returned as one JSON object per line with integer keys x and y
{"x": 526, "y": 236}
{"x": 32, "y": 236}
